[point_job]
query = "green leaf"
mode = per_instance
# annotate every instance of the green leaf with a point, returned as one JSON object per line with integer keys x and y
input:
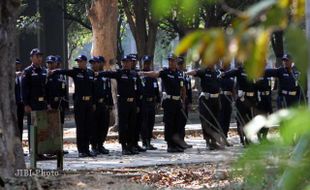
{"x": 297, "y": 46}
{"x": 256, "y": 9}
{"x": 189, "y": 41}
{"x": 161, "y": 8}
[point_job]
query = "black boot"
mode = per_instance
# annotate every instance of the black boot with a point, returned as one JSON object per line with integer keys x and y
{"x": 173, "y": 148}
{"x": 103, "y": 150}
{"x": 125, "y": 150}
{"x": 148, "y": 146}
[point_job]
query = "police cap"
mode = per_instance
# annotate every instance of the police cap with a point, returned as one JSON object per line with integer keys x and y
{"x": 81, "y": 58}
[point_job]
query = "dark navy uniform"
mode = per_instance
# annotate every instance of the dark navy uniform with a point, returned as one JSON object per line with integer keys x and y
{"x": 289, "y": 89}
{"x": 127, "y": 86}
{"x": 172, "y": 83}
{"x": 19, "y": 102}
{"x": 246, "y": 101}
{"x": 83, "y": 105}
{"x": 209, "y": 108}
{"x": 150, "y": 93}
{"x": 33, "y": 87}
{"x": 264, "y": 104}
{"x": 102, "y": 100}
{"x": 226, "y": 100}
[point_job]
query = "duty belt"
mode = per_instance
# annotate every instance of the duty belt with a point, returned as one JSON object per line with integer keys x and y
{"x": 56, "y": 99}
{"x": 227, "y": 93}
{"x": 149, "y": 99}
{"x": 209, "y": 95}
{"x": 100, "y": 100}
{"x": 173, "y": 97}
{"x": 242, "y": 93}
{"x": 290, "y": 93}
{"x": 86, "y": 98}
{"x": 40, "y": 99}
{"x": 265, "y": 93}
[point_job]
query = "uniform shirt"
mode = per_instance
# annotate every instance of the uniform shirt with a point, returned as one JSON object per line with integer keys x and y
{"x": 18, "y": 90}
{"x": 83, "y": 81}
{"x": 33, "y": 87}
{"x": 263, "y": 84}
{"x": 209, "y": 80}
{"x": 188, "y": 86}
{"x": 56, "y": 87}
{"x": 102, "y": 89}
{"x": 172, "y": 81}
{"x": 227, "y": 83}
{"x": 127, "y": 81}
{"x": 243, "y": 81}
{"x": 287, "y": 80}
{"x": 150, "y": 88}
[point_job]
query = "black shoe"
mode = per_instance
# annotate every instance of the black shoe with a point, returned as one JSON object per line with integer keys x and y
{"x": 83, "y": 155}
{"x": 65, "y": 152}
{"x": 151, "y": 147}
{"x": 95, "y": 151}
{"x": 139, "y": 148}
{"x": 188, "y": 145}
{"x": 126, "y": 152}
{"x": 92, "y": 154}
{"x": 133, "y": 150}
{"x": 103, "y": 150}
{"x": 174, "y": 149}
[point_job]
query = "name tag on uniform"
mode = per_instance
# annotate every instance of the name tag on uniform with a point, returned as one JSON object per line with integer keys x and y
{"x": 155, "y": 84}
{"x": 63, "y": 85}
{"x": 285, "y": 75}
{"x": 124, "y": 77}
{"x": 244, "y": 74}
{"x": 44, "y": 74}
{"x": 80, "y": 76}
{"x": 91, "y": 77}
{"x": 171, "y": 76}
{"x": 208, "y": 75}
{"x": 181, "y": 83}
{"x": 34, "y": 74}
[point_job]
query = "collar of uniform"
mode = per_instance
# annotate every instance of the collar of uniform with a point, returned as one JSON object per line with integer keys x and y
{"x": 35, "y": 67}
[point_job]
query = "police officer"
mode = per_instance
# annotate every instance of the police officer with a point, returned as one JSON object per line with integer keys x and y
{"x": 134, "y": 61}
{"x": 289, "y": 89}
{"x": 33, "y": 86}
{"x": 100, "y": 127}
{"x": 246, "y": 101}
{"x": 83, "y": 103}
{"x": 264, "y": 104}
{"x": 18, "y": 98}
{"x": 151, "y": 97}
{"x": 226, "y": 99}
{"x": 187, "y": 100}
{"x": 173, "y": 84}
{"x": 209, "y": 106}
{"x": 127, "y": 86}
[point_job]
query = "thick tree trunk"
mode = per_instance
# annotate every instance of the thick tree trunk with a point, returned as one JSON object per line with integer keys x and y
{"x": 11, "y": 153}
{"x": 103, "y": 15}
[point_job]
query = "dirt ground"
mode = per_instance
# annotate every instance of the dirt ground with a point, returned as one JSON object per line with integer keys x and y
{"x": 193, "y": 176}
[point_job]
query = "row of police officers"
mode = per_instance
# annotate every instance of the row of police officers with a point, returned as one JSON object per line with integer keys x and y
{"x": 41, "y": 88}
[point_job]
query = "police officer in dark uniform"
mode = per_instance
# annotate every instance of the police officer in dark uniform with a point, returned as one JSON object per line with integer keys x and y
{"x": 187, "y": 100}
{"x": 134, "y": 61}
{"x": 209, "y": 107}
{"x": 246, "y": 101}
{"x": 100, "y": 127}
{"x": 127, "y": 86}
{"x": 151, "y": 97}
{"x": 264, "y": 104}
{"x": 19, "y": 98}
{"x": 226, "y": 99}
{"x": 289, "y": 88}
{"x": 83, "y": 103}
{"x": 33, "y": 86}
{"x": 173, "y": 84}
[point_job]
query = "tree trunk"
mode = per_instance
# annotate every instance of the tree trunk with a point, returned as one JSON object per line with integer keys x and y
{"x": 308, "y": 36}
{"x": 11, "y": 153}
{"x": 103, "y": 15}
{"x": 277, "y": 46}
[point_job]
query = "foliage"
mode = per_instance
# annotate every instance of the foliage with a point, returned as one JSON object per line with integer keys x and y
{"x": 284, "y": 162}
